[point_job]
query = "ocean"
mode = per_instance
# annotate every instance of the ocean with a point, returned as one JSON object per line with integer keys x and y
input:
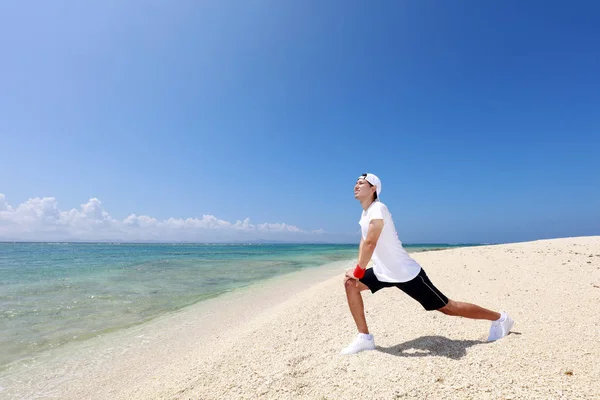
{"x": 53, "y": 294}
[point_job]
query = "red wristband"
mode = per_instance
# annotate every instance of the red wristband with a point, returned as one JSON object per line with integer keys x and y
{"x": 359, "y": 272}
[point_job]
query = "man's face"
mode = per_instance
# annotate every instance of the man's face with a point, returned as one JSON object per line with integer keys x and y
{"x": 363, "y": 189}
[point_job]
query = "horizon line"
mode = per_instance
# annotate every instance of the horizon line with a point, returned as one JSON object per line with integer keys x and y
{"x": 259, "y": 241}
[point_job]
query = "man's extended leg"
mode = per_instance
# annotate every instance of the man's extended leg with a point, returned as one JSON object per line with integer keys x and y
{"x": 468, "y": 310}
{"x": 501, "y": 322}
{"x": 431, "y": 298}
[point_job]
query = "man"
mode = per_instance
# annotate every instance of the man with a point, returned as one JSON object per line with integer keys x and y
{"x": 393, "y": 267}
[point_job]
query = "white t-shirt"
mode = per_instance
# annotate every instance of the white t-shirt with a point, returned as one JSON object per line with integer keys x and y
{"x": 391, "y": 262}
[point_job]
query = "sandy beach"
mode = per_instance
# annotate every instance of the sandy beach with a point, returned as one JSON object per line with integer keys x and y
{"x": 282, "y": 339}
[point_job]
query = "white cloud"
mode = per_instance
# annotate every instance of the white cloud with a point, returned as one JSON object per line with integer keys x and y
{"x": 278, "y": 228}
{"x": 42, "y": 219}
{"x": 3, "y": 204}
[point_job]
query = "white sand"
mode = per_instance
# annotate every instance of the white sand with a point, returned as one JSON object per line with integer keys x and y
{"x": 283, "y": 342}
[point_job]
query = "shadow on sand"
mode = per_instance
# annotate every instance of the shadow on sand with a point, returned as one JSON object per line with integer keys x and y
{"x": 431, "y": 346}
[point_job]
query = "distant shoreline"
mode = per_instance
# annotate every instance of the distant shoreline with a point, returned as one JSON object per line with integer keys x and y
{"x": 238, "y": 243}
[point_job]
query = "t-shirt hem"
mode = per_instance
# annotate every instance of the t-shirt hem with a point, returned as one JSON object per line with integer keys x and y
{"x": 386, "y": 279}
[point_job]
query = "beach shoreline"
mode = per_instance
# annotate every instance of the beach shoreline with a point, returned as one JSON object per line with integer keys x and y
{"x": 281, "y": 339}
{"x": 218, "y": 314}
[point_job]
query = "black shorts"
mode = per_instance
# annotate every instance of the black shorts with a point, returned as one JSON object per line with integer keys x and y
{"x": 420, "y": 288}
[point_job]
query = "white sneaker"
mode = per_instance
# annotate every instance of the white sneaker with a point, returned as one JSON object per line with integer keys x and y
{"x": 361, "y": 343}
{"x": 500, "y": 328}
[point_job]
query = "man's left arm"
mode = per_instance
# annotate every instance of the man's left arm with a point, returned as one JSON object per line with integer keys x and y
{"x": 366, "y": 252}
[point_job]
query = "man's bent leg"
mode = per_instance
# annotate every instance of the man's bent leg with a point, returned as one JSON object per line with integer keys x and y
{"x": 355, "y": 302}
{"x": 364, "y": 340}
{"x": 468, "y": 310}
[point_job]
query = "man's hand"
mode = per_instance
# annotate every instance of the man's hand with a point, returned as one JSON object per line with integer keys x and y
{"x": 350, "y": 276}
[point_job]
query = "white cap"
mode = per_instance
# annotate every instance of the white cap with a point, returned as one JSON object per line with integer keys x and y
{"x": 373, "y": 180}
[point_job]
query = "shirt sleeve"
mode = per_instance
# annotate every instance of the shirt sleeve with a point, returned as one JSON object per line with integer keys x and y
{"x": 376, "y": 212}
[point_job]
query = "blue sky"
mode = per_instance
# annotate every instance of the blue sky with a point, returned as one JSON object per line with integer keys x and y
{"x": 482, "y": 119}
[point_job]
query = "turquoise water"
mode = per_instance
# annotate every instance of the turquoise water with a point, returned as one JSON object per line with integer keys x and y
{"x": 55, "y": 293}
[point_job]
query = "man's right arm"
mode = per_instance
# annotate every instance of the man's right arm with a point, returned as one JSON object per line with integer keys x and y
{"x": 350, "y": 272}
{"x": 360, "y": 246}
